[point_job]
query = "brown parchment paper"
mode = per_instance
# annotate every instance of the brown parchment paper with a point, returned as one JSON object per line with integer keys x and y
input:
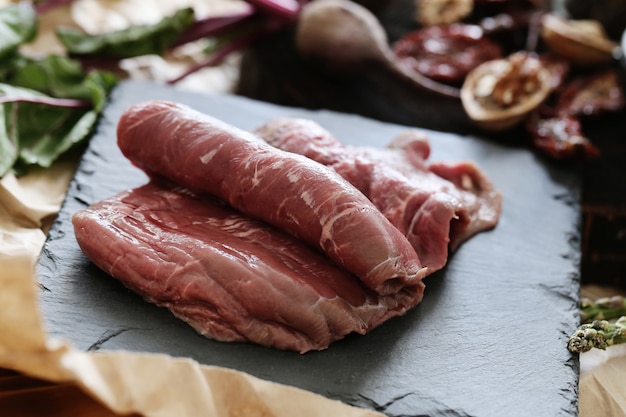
{"x": 602, "y": 389}
{"x": 99, "y": 384}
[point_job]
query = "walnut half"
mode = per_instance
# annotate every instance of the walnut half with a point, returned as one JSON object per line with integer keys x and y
{"x": 582, "y": 42}
{"x": 501, "y": 93}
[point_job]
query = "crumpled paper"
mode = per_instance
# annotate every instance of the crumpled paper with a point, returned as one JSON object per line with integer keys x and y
{"x": 602, "y": 391}
{"x": 601, "y": 387}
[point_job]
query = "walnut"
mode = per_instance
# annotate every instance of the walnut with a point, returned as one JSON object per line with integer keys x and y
{"x": 501, "y": 93}
{"x": 582, "y": 42}
{"x": 509, "y": 81}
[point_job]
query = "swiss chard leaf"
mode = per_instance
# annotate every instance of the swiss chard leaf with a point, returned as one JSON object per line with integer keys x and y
{"x": 62, "y": 77}
{"x": 42, "y": 129}
{"x": 18, "y": 25}
{"x": 10, "y": 125}
{"x": 134, "y": 41}
{"x": 8, "y": 139}
{"x": 46, "y": 132}
{"x": 10, "y": 63}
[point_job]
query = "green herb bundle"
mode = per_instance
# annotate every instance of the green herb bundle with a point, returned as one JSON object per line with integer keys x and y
{"x": 599, "y": 329}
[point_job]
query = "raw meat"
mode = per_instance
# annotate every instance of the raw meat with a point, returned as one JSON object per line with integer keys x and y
{"x": 289, "y": 191}
{"x": 230, "y": 277}
{"x": 248, "y": 242}
{"x": 437, "y": 205}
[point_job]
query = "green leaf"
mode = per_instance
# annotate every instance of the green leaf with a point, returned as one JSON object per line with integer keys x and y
{"x": 54, "y": 75}
{"x": 40, "y": 133}
{"x": 36, "y": 124}
{"x": 11, "y": 63}
{"x": 100, "y": 84}
{"x": 62, "y": 77}
{"x": 69, "y": 128}
{"x": 134, "y": 41}
{"x": 18, "y": 25}
{"x": 8, "y": 139}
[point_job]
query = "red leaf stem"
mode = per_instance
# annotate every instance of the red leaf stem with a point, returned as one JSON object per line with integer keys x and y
{"x": 286, "y": 10}
{"x": 220, "y": 54}
{"x": 50, "y": 101}
{"x": 43, "y": 7}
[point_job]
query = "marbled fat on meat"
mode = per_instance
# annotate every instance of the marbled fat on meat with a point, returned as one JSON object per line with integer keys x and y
{"x": 230, "y": 277}
{"x": 286, "y": 190}
{"x": 436, "y": 206}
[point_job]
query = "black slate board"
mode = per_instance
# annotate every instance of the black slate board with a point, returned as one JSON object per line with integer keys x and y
{"x": 489, "y": 339}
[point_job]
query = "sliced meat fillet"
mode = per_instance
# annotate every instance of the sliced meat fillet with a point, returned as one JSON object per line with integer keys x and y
{"x": 289, "y": 191}
{"x": 230, "y": 277}
{"x": 435, "y": 205}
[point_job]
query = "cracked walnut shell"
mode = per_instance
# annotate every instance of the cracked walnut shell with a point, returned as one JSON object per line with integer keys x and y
{"x": 499, "y": 94}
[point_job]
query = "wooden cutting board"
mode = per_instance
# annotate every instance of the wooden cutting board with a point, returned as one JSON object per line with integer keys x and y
{"x": 489, "y": 339}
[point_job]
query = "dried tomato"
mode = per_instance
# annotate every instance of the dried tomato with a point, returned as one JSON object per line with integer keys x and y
{"x": 560, "y": 137}
{"x": 559, "y": 69}
{"x": 592, "y": 95}
{"x": 446, "y": 53}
